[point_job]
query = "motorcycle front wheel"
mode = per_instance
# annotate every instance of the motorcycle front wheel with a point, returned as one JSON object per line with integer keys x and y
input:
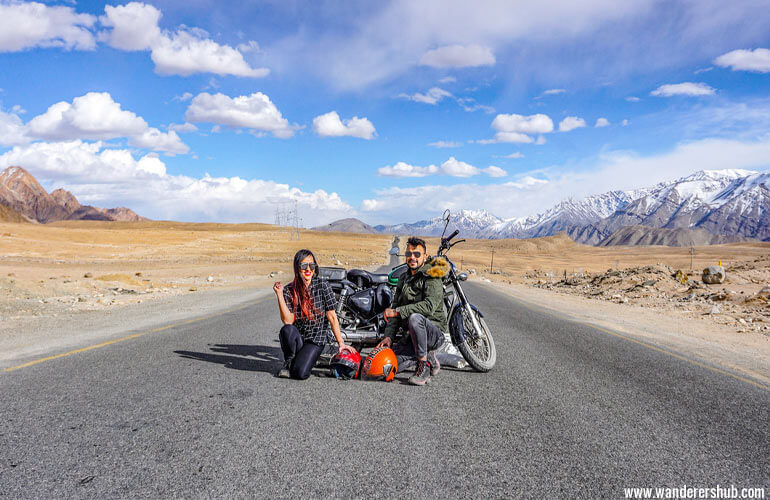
{"x": 478, "y": 348}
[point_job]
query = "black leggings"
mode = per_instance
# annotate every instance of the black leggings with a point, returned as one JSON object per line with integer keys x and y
{"x": 303, "y": 355}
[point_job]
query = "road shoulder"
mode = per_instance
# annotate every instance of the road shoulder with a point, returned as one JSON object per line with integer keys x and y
{"x": 746, "y": 354}
{"x": 26, "y": 339}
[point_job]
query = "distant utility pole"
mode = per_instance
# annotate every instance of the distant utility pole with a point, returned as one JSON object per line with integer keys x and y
{"x": 692, "y": 255}
{"x": 287, "y": 217}
{"x": 492, "y": 262}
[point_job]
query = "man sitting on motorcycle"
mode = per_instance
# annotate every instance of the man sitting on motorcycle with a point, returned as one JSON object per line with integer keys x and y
{"x": 418, "y": 307}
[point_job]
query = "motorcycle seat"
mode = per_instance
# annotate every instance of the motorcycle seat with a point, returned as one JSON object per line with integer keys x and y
{"x": 364, "y": 278}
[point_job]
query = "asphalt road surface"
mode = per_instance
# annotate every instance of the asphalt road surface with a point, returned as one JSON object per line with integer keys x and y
{"x": 194, "y": 411}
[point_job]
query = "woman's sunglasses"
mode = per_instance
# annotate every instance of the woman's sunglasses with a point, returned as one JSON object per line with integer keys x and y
{"x": 308, "y": 265}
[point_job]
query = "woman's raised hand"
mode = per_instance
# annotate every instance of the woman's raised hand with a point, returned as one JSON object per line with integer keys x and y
{"x": 278, "y": 288}
{"x": 347, "y": 348}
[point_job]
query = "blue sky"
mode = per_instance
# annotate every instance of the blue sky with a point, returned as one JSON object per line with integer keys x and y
{"x": 386, "y": 111}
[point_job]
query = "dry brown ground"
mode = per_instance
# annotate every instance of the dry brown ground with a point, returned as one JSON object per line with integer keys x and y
{"x": 43, "y": 268}
{"x": 514, "y": 259}
{"x": 71, "y": 268}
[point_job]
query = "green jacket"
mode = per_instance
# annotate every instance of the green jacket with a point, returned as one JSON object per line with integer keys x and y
{"x": 421, "y": 292}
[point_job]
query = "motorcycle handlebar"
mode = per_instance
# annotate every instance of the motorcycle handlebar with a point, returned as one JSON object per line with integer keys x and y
{"x": 455, "y": 233}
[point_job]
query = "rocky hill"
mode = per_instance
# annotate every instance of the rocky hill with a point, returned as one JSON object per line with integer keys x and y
{"x": 7, "y": 214}
{"x": 679, "y": 237}
{"x": 727, "y": 204}
{"x": 22, "y": 193}
{"x": 471, "y": 223}
{"x": 350, "y": 225}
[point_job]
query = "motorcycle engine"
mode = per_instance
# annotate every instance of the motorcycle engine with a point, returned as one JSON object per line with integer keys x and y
{"x": 363, "y": 302}
{"x": 371, "y": 301}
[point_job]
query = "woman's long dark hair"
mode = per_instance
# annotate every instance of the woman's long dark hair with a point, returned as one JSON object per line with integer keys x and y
{"x": 300, "y": 292}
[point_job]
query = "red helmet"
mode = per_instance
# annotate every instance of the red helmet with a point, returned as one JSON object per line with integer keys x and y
{"x": 381, "y": 364}
{"x": 346, "y": 364}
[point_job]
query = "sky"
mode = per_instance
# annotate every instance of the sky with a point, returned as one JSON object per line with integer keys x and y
{"x": 386, "y": 111}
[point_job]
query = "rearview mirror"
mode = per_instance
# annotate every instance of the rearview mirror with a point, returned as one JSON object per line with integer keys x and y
{"x": 393, "y": 251}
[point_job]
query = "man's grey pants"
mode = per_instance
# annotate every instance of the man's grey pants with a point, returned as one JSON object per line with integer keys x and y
{"x": 425, "y": 337}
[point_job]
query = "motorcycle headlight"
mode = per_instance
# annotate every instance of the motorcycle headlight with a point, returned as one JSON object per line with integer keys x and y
{"x": 462, "y": 276}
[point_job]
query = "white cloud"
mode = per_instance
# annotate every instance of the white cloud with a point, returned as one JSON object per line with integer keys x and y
{"x": 186, "y": 53}
{"x": 184, "y": 97}
{"x": 432, "y": 96}
{"x": 571, "y": 123}
{"x": 551, "y": 92}
{"x": 251, "y": 46}
{"x": 12, "y": 131}
{"x": 494, "y": 171}
{"x": 457, "y": 168}
{"x": 183, "y": 128}
{"x": 625, "y": 123}
{"x": 92, "y": 116}
{"x": 529, "y": 195}
{"x": 469, "y": 104}
{"x": 602, "y": 122}
{"x": 255, "y": 112}
{"x": 685, "y": 88}
{"x": 518, "y": 128}
{"x": 134, "y": 26}
{"x": 109, "y": 177}
{"x": 402, "y": 169}
{"x": 632, "y": 99}
{"x": 445, "y": 144}
{"x": 458, "y": 56}
{"x": 96, "y": 116}
{"x": 452, "y": 167}
{"x": 330, "y": 125}
{"x": 448, "y": 79}
{"x": 540, "y": 140}
{"x": 156, "y": 140}
{"x": 32, "y": 24}
{"x": 703, "y": 70}
{"x": 757, "y": 60}
{"x": 512, "y": 156}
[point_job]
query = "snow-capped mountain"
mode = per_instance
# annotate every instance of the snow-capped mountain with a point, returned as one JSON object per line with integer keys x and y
{"x": 570, "y": 216}
{"x": 471, "y": 223}
{"x": 727, "y": 202}
{"x": 696, "y": 201}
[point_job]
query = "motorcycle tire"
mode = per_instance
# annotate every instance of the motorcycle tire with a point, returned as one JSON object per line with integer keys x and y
{"x": 478, "y": 349}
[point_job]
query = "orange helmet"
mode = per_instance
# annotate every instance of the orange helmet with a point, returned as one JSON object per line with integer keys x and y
{"x": 381, "y": 364}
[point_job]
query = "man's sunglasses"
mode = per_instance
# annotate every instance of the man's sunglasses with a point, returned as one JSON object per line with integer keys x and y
{"x": 308, "y": 265}
{"x": 416, "y": 255}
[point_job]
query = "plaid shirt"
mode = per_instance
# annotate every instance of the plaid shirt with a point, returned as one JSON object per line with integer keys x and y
{"x": 315, "y": 330}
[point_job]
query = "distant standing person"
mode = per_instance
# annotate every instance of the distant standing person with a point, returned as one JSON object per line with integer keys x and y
{"x": 310, "y": 324}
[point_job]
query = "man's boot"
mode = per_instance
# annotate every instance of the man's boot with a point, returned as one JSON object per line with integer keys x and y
{"x": 435, "y": 367}
{"x": 422, "y": 374}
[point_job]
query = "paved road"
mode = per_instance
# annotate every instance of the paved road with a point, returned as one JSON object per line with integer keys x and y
{"x": 194, "y": 411}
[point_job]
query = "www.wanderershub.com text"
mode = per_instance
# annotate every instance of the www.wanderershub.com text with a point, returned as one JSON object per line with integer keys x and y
{"x": 717, "y": 491}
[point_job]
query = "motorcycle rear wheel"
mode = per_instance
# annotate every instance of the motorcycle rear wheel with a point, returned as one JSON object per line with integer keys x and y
{"x": 478, "y": 349}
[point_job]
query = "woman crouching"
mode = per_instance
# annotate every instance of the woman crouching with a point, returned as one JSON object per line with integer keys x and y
{"x": 307, "y": 311}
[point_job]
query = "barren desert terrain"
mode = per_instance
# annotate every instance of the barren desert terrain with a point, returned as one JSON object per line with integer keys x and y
{"x": 75, "y": 268}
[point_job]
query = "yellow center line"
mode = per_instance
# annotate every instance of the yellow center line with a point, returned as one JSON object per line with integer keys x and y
{"x": 133, "y": 336}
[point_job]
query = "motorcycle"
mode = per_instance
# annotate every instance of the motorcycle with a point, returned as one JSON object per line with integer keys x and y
{"x": 362, "y": 297}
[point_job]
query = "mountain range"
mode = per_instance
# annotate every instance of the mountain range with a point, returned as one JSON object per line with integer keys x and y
{"x": 706, "y": 207}
{"x": 23, "y": 198}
